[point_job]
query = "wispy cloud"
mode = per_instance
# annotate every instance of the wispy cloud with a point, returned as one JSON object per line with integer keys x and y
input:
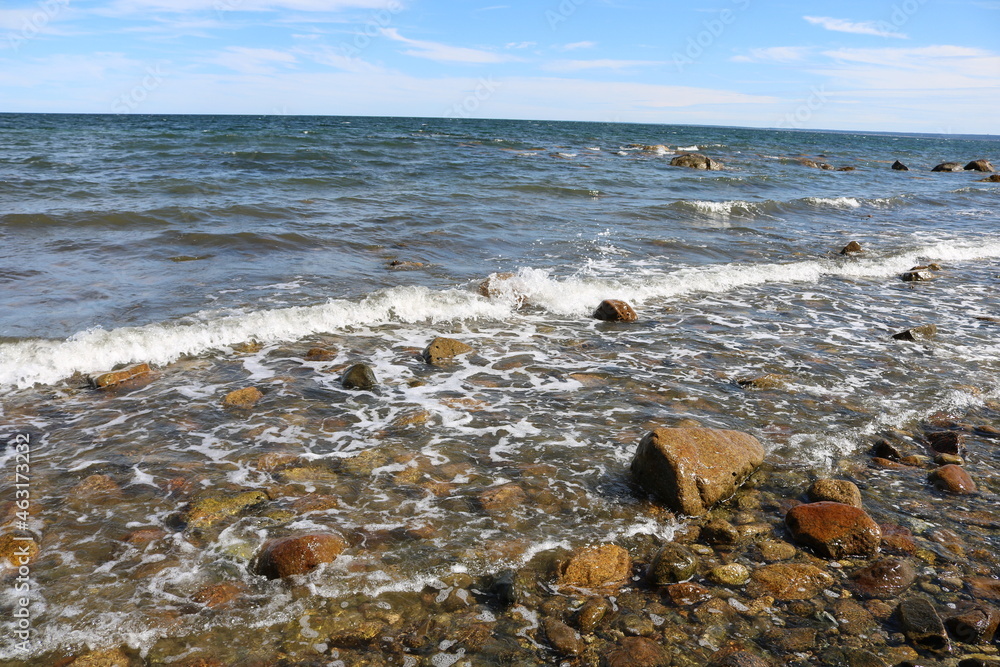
{"x": 779, "y": 54}
{"x": 186, "y": 6}
{"x": 580, "y": 65}
{"x": 444, "y": 52}
{"x": 520, "y": 45}
{"x": 252, "y": 61}
{"x": 916, "y": 70}
{"x": 876, "y": 28}
{"x": 577, "y": 45}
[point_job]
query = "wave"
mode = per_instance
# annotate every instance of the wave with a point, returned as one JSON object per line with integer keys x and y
{"x": 27, "y": 362}
{"x": 769, "y": 207}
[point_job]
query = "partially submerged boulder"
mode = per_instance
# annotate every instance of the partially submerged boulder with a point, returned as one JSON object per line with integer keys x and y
{"x": 696, "y": 161}
{"x": 441, "y": 349}
{"x": 922, "y": 332}
{"x": 948, "y": 166}
{"x": 287, "y": 556}
{"x": 359, "y": 377}
{"x": 899, "y": 166}
{"x": 112, "y": 378}
{"x": 852, "y": 248}
{"x": 834, "y": 530}
{"x": 242, "y": 398}
{"x": 603, "y": 566}
{"x": 953, "y": 479}
{"x": 614, "y": 310}
{"x": 995, "y": 178}
{"x": 691, "y": 469}
{"x": 979, "y": 165}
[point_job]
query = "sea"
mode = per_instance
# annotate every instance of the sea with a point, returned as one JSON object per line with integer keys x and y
{"x": 221, "y": 250}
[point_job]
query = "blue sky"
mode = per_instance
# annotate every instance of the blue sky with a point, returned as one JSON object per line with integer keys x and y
{"x": 903, "y": 65}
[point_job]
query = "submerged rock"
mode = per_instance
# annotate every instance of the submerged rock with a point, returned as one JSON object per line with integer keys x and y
{"x": 606, "y": 565}
{"x": 563, "y": 638}
{"x": 736, "y": 656}
{"x": 287, "y": 556}
{"x": 922, "y": 332}
{"x": 613, "y": 310}
{"x": 359, "y": 377}
{"x": 948, "y": 166}
{"x": 696, "y": 161}
{"x": 995, "y": 178}
{"x": 922, "y": 625}
{"x": 242, "y": 398}
{"x": 973, "y": 623}
{"x": 946, "y": 442}
{"x": 952, "y": 478}
{"x": 788, "y": 581}
{"x": 502, "y": 499}
{"x": 834, "y": 530}
{"x": 899, "y": 166}
{"x": 636, "y": 652}
{"x": 835, "y": 490}
{"x": 691, "y": 469}
{"x": 916, "y": 276}
{"x": 852, "y": 248}
{"x": 215, "y": 506}
{"x": 592, "y": 613}
{"x": 16, "y": 550}
{"x": 762, "y": 382}
{"x": 320, "y": 354}
{"x": 112, "y": 378}
{"x": 731, "y": 574}
{"x": 673, "y": 563}
{"x": 442, "y": 348}
{"x": 979, "y": 165}
{"x": 885, "y": 578}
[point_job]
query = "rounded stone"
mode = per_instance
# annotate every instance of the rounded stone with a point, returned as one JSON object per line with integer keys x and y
{"x": 885, "y": 578}
{"x": 834, "y": 530}
{"x": 286, "y": 556}
{"x": 602, "y": 566}
{"x": 672, "y": 563}
{"x": 835, "y": 490}
{"x": 614, "y": 310}
{"x": 242, "y": 398}
{"x": 789, "y": 581}
{"x": 360, "y": 377}
{"x": 731, "y": 574}
{"x": 952, "y": 478}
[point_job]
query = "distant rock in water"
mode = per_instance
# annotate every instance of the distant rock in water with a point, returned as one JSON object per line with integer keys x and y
{"x": 921, "y": 332}
{"x": 110, "y": 379}
{"x": 995, "y": 178}
{"x": 979, "y": 165}
{"x": 812, "y": 164}
{"x": 613, "y": 310}
{"x": 360, "y": 377}
{"x": 948, "y": 166}
{"x": 696, "y": 161}
{"x": 914, "y": 276}
{"x": 852, "y": 248}
{"x": 899, "y": 166}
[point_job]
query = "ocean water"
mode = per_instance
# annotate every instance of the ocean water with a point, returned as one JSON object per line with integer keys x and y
{"x": 221, "y": 249}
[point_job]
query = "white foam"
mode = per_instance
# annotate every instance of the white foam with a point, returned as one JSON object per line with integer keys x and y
{"x": 835, "y": 202}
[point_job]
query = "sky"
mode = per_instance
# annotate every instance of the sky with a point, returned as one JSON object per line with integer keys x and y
{"x": 895, "y": 66}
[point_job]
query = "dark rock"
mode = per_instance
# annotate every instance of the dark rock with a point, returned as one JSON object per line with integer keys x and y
{"x": 719, "y": 531}
{"x": 636, "y": 652}
{"x": 812, "y": 164}
{"x": 769, "y": 381}
{"x": 672, "y": 563}
{"x": 995, "y": 178}
{"x": 835, "y": 490}
{"x": 736, "y": 656}
{"x": 885, "y": 578}
{"x": 686, "y": 594}
{"x": 403, "y": 265}
{"x": 242, "y": 398}
{"x": 696, "y": 161}
{"x": 288, "y": 556}
{"x": 952, "y": 479}
{"x": 505, "y": 588}
{"x": 613, "y": 310}
{"x": 979, "y": 165}
{"x": 112, "y": 378}
{"x": 441, "y": 349}
{"x": 948, "y": 166}
{"x": 886, "y": 450}
{"x": 852, "y": 248}
{"x": 606, "y": 565}
{"x": 899, "y": 166}
{"x": 592, "y": 613}
{"x": 923, "y": 332}
{"x": 691, "y": 469}
{"x": 563, "y": 638}
{"x": 788, "y": 581}
{"x": 973, "y": 623}
{"x": 922, "y": 625}
{"x": 946, "y": 442}
{"x": 916, "y": 276}
{"x": 846, "y": 168}
{"x": 359, "y": 377}
{"x": 834, "y": 530}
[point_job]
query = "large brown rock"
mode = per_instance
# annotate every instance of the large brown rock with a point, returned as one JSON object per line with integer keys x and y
{"x": 691, "y": 469}
{"x": 952, "y": 478}
{"x": 441, "y": 349}
{"x": 788, "y": 581}
{"x": 834, "y": 530}
{"x": 613, "y": 310}
{"x": 696, "y": 161}
{"x": 885, "y": 578}
{"x": 603, "y": 566}
{"x": 111, "y": 378}
{"x": 286, "y": 556}
{"x": 979, "y": 165}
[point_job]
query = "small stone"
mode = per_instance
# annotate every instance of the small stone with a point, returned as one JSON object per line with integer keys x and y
{"x": 834, "y": 530}
{"x": 835, "y": 490}
{"x": 852, "y": 248}
{"x": 917, "y": 461}
{"x": 899, "y": 166}
{"x": 946, "y": 442}
{"x": 885, "y": 578}
{"x": 949, "y": 459}
{"x": 320, "y": 354}
{"x": 952, "y": 479}
{"x": 686, "y": 594}
{"x": 501, "y": 499}
{"x": 853, "y": 619}
{"x": 242, "y": 398}
{"x": 591, "y": 614}
{"x": 95, "y": 486}
{"x": 762, "y": 382}
{"x": 248, "y": 347}
{"x": 922, "y": 625}
{"x": 606, "y": 565}
{"x": 923, "y": 332}
{"x": 613, "y": 310}
{"x": 359, "y": 377}
{"x": 636, "y": 652}
{"x": 731, "y": 574}
{"x": 288, "y": 556}
{"x": 441, "y": 349}
{"x": 788, "y": 581}
{"x": 916, "y": 276}
{"x": 214, "y": 507}
{"x": 719, "y": 531}
{"x": 115, "y": 657}
{"x": 973, "y": 623}
{"x": 112, "y": 378}
{"x": 736, "y": 656}
{"x": 16, "y": 551}
{"x": 219, "y": 595}
{"x": 777, "y": 550}
{"x": 672, "y": 563}
{"x": 886, "y": 450}
{"x": 563, "y": 638}
{"x": 505, "y": 588}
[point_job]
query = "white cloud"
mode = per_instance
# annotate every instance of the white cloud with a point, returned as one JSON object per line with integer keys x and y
{"x": 223, "y": 6}
{"x": 925, "y": 69}
{"x": 520, "y": 45}
{"x": 443, "y": 52}
{"x": 252, "y": 61}
{"x": 577, "y": 45}
{"x": 876, "y": 28}
{"x": 580, "y": 65}
{"x": 779, "y": 54}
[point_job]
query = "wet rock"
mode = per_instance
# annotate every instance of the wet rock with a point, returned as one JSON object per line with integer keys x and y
{"x": 948, "y": 166}
{"x": 922, "y": 332}
{"x": 834, "y": 530}
{"x": 973, "y": 623}
{"x": 769, "y": 381}
{"x": 112, "y": 378}
{"x": 287, "y": 556}
{"x": 359, "y": 377}
{"x": 788, "y": 581}
{"x": 853, "y": 619}
{"x": 731, "y": 574}
{"x": 952, "y": 479}
{"x": 995, "y": 178}
{"x": 718, "y": 531}
{"x": 635, "y": 625}
{"x": 851, "y": 657}
{"x": 115, "y": 657}
{"x": 505, "y": 588}
{"x": 502, "y": 499}
{"x": 686, "y": 594}
{"x": 606, "y": 565}
{"x": 504, "y": 286}
{"x": 247, "y": 347}
{"x": 776, "y": 550}
{"x": 691, "y": 469}
{"x": 986, "y": 588}
{"x": 949, "y": 459}
{"x": 922, "y": 625}
{"x": 592, "y": 613}
{"x": 563, "y": 638}
{"x": 17, "y": 550}
{"x": 636, "y": 652}
{"x": 979, "y": 165}
{"x": 320, "y": 354}
{"x": 916, "y": 276}
{"x": 614, "y": 310}
{"x": 886, "y": 450}
{"x": 219, "y": 595}
{"x": 441, "y": 349}
{"x": 946, "y": 442}
{"x": 95, "y": 486}
{"x": 142, "y": 537}
{"x": 899, "y": 166}
{"x": 736, "y": 656}
{"x": 885, "y": 578}
{"x": 215, "y": 506}
{"x": 242, "y": 398}
{"x": 813, "y": 164}
{"x": 696, "y": 161}
{"x": 403, "y": 265}
{"x": 672, "y": 563}
{"x": 852, "y": 248}
{"x": 835, "y": 490}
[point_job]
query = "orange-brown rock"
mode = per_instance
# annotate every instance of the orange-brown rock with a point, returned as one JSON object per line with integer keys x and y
{"x": 687, "y": 593}
{"x": 95, "y": 486}
{"x": 286, "y": 556}
{"x": 636, "y": 652}
{"x": 242, "y": 398}
{"x": 603, "y": 566}
{"x": 691, "y": 469}
{"x": 897, "y": 539}
{"x": 834, "y": 530}
{"x": 973, "y": 623}
{"x": 835, "y": 490}
{"x": 788, "y": 581}
{"x": 143, "y": 536}
{"x": 115, "y": 657}
{"x": 441, "y": 349}
{"x": 218, "y": 595}
{"x": 17, "y": 550}
{"x": 852, "y": 248}
{"x": 320, "y": 354}
{"x": 986, "y": 588}
{"x": 111, "y": 378}
{"x": 614, "y": 310}
{"x": 502, "y": 498}
{"x": 885, "y": 578}
{"x": 952, "y": 478}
